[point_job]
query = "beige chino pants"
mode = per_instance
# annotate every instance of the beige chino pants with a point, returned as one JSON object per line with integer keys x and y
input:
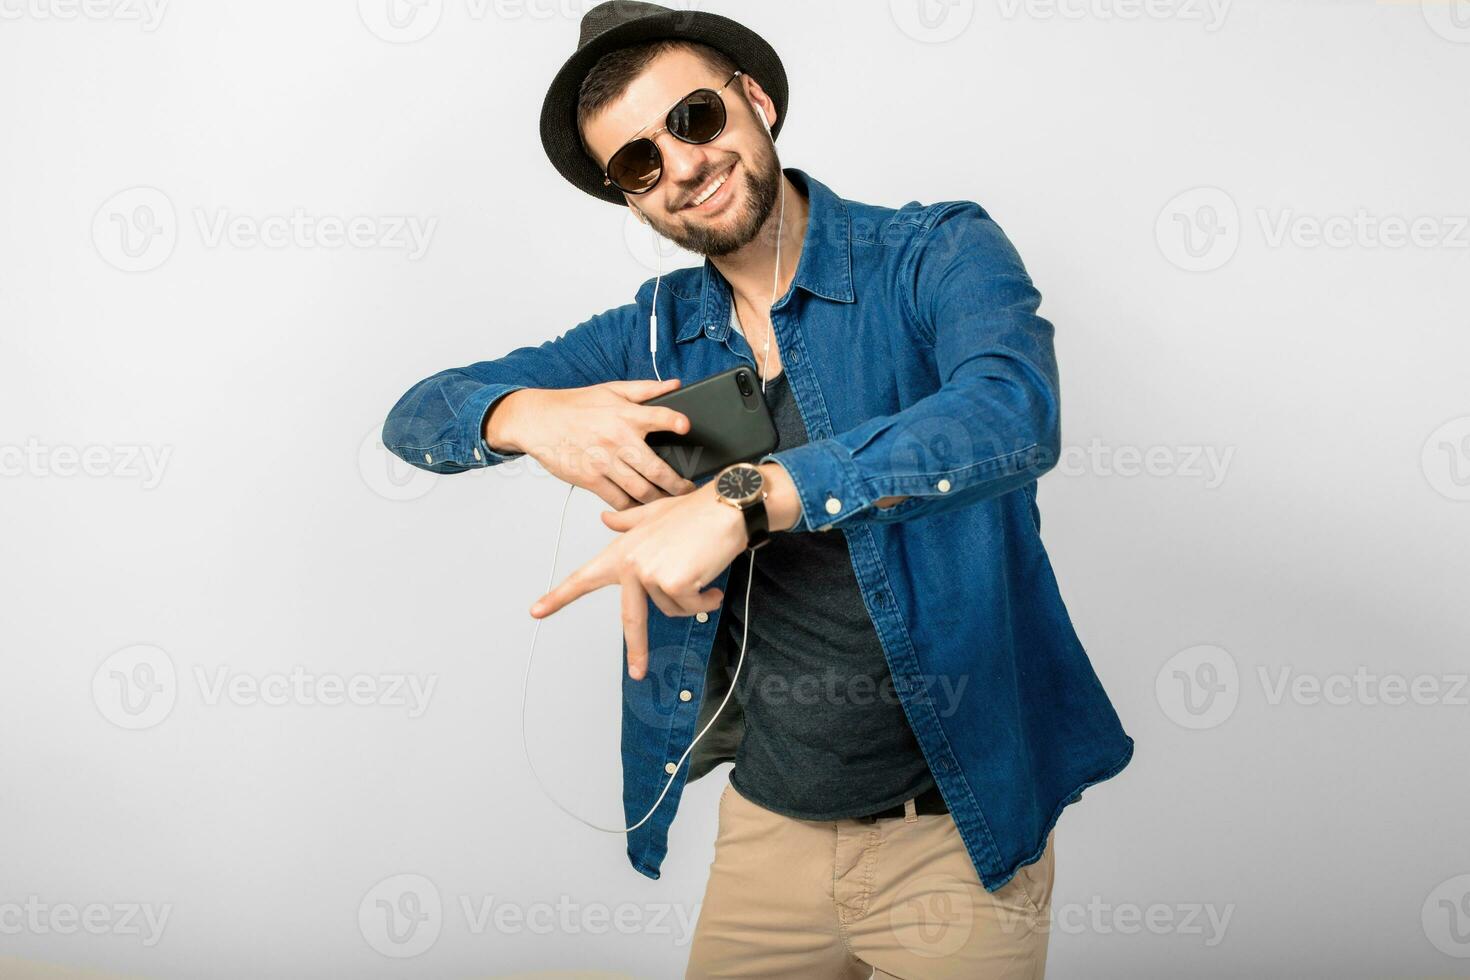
{"x": 847, "y": 900}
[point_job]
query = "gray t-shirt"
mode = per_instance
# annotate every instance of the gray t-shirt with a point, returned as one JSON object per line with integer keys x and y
{"x": 825, "y": 736}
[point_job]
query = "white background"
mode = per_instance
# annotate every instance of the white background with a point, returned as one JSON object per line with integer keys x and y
{"x": 274, "y": 534}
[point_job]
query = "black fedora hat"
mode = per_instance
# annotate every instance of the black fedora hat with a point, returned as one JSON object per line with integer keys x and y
{"x": 618, "y": 24}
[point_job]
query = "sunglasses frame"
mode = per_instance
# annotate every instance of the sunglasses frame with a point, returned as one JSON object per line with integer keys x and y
{"x": 607, "y": 180}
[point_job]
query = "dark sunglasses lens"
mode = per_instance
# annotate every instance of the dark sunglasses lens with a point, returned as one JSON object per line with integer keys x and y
{"x": 699, "y": 118}
{"x": 636, "y": 167}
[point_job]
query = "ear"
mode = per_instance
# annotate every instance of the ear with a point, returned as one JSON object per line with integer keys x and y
{"x": 759, "y": 100}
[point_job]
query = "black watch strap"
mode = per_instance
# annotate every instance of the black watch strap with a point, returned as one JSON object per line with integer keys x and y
{"x": 757, "y": 524}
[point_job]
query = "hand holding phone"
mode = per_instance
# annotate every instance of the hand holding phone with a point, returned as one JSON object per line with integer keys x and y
{"x": 729, "y": 423}
{"x": 593, "y": 437}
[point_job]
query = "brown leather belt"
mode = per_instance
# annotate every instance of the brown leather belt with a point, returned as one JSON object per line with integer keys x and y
{"x": 929, "y": 801}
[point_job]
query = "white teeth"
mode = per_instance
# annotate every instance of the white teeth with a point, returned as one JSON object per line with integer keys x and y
{"x": 707, "y": 194}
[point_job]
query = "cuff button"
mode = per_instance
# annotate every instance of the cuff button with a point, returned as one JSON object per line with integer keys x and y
{"x": 834, "y": 505}
{"x": 428, "y": 458}
{"x": 942, "y": 486}
{"x": 477, "y": 452}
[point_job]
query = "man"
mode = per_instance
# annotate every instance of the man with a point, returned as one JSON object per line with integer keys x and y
{"x": 912, "y": 709}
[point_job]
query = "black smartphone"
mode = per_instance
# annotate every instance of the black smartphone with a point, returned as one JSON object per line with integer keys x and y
{"x": 728, "y": 423}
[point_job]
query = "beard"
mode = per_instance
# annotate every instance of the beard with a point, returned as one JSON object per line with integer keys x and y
{"x": 762, "y": 183}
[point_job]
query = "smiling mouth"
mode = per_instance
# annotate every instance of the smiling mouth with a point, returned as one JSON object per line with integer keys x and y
{"x": 713, "y": 191}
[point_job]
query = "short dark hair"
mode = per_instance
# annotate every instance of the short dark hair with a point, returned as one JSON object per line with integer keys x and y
{"x": 615, "y": 71}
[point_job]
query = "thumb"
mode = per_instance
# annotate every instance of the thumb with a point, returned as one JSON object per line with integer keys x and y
{"x": 639, "y": 391}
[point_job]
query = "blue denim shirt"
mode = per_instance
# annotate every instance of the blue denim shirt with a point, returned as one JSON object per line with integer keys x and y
{"x": 920, "y": 366}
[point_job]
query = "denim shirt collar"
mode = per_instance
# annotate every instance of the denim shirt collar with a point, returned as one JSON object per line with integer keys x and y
{"x": 825, "y": 267}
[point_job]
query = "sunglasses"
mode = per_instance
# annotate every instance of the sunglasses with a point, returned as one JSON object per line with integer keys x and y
{"x": 698, "y": 117}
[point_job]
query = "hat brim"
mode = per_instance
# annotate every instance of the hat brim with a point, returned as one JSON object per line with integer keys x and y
{"x": 749, "y": 51}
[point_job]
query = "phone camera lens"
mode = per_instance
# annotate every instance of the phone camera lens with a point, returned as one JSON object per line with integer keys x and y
{"x": 743, "y": 380}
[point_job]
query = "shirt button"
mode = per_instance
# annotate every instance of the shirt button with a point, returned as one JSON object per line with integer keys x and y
{"x": 833, "y": 505}
{"x": 428, "y": 458}
{"x": 477, "y": 452}
{"x": 703, "y": 617}
{"x": 943, "y": 486}
{"x": 670, "y": 768}
{"x": 686, "y": 695}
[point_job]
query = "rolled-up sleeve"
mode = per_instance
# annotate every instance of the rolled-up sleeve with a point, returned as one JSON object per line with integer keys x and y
{"x": 438, "y": 424}
{"x": 991, "y": 427}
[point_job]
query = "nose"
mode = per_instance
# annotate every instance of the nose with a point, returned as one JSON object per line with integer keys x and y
{"x": 683, "y": 164}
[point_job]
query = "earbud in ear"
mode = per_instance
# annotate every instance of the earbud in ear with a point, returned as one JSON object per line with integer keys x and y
{"x": 762, "y": 113}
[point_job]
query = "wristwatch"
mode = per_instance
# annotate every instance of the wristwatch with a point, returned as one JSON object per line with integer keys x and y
{"x": 742, "y": 486}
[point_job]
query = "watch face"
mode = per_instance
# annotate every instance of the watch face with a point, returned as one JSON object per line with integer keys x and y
{"x": 740, "y": 483}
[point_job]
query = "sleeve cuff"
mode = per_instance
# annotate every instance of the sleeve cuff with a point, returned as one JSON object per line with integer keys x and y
{"x": 474, "y": 412}
{"x": 827, "y": 483}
